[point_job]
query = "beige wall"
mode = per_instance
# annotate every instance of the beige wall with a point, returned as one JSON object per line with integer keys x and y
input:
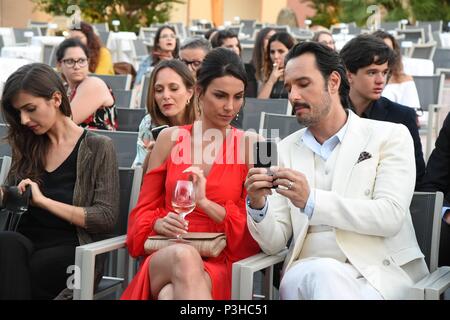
{"x": 199, "y": 9}
{"x": 270, "y": 10}
{"x": 245, "y": 9}
{"x": 16, "y": 13}
{"x": 302, "y": 11}
{"x": 179, "y": 13}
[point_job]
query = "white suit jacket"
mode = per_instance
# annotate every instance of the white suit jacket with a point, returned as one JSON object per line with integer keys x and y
{"x": 368, "y": 205}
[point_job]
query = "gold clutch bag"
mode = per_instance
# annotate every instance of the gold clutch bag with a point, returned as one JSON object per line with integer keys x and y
{"x": 208, "y": 244}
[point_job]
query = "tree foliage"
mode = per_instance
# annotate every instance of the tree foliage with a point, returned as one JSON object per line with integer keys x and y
{"x": 335, "y": 11}
{"x": 131, "y": 13}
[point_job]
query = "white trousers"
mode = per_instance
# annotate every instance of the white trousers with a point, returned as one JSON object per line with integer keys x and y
{"x": 325, "y": 279}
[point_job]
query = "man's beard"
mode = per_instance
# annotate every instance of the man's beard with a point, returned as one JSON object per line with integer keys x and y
{"x": 317, "y": 113}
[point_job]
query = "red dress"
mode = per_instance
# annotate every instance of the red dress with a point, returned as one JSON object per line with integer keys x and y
{"x": 224, "y": 185}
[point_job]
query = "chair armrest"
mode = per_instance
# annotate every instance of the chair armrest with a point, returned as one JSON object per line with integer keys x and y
{"x": 85, "y": 261}
{"x": 433, "y": 285}
{"x": 243, "y": 270}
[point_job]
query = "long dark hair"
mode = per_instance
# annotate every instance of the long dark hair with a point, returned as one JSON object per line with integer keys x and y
{"x": 220, "y": 62}
{"x": 283, "y": 37}
{"x": 157, "y": 48}
{"x": 29, "y": 149}
{"x": 259, "y": 52}
{"x": 158, "y": 118}
{"x": 93, "y": 43}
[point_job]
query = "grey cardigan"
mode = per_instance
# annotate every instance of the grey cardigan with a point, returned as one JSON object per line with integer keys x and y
{"x": 96, "y": 187}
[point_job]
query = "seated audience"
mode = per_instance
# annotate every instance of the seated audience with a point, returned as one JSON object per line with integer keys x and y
{"x": 228, "y": 39}
{"x": 368, "y": 61}
{"x": 170, "y": 103}
{"x": 400, "y": 87}
{"x": 324, "y": 37}
{"x": 178, "y": 271}
{"x": 273, "y": 84}
{"x": 91, "y": 100}
{"x": 165, "y": 47}
{"x": 259, "y": 49}
{"x": 342, "y": 195}
{"x": 100, "y": 61}
{"x": 193, "y": 51}
{"x": 74, "y": 181}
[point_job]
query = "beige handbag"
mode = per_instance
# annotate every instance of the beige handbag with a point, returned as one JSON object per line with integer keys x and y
{"x": 208, "y": 244}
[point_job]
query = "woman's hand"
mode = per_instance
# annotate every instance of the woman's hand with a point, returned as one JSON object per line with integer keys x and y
{"x": 37, "y": 198}
{"x": 276, "y": 74}
{"x": 199, "y": 181}
{"x": 171, "y": 225}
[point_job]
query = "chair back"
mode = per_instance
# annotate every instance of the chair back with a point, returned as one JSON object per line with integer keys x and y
{"x": 430, "y": 89}
{"x": 390, "y": 25}
{"x": 130, "y": 184}
{"x": 122, "y": 99}
{"x": 425, "y": 211}
{"x": 5, "y": 148}
{"x": 441, "y": 58}
{"x": 250, "y": 114}
{"x": 116, "y": 82}
{"x": 284, "y": 124}
{"x": 416, "y": 35}
{"x": 423, "y": 51}
{"x": 101, "y": 27}
{"x": 129, "y": 119}
{"x": 104, "y": 36}
{"x": 124, "y": 143}
{"x": 144, "y": 92}
{"x": 5, "y": 165}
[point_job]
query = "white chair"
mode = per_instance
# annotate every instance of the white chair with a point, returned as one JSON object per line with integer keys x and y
{"x": 425, "y": 212}
{"x": 124, "y": 143}
{"x": 116, "y": 82}
{"x": 422, "y": 51}
{"x": 5, "y": 165}
{"x": 250, "y": 114}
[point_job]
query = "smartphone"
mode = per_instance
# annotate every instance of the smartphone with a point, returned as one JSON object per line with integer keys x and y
{"x": 265, "y": 154}
{"x": 157, "y": 130}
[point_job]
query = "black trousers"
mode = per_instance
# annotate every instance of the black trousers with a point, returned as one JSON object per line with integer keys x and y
{"x": 26, "y": 273}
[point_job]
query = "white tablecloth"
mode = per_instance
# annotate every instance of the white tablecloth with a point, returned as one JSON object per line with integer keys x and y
{"x": 8, "y": 36}
{"x": 341, "y": 39}
{"x": 7, "y": 67}
{"x": 41, "y": 40}
{"x": 31, "y": 53}
{"x": 418, "y": 67}
{"x": 445, "y": 39}
{"x": 121, "y": 46}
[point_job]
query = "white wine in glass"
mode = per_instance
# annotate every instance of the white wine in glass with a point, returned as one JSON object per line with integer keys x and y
{"x": 183, "y": 198}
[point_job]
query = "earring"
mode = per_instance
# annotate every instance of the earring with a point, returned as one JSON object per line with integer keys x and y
{"x": 188, "y": 101}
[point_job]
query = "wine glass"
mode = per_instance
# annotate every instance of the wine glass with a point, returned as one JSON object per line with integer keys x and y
{"x": 183, "y": 199}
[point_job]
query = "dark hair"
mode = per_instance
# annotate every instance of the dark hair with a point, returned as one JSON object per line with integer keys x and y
{"x": 259, "y": 53}
{"x": 286, "y": 39}
{"x": 397, "y": 66}
{"x": 219, "y": 38}
{"x": 94, "y": 44}
{"x": 209, "y": 33}
{"x": 327, "y": 61}
{"x": 218, "y": 63}
{"x": 29, "y": 149}
{"x": 158, "y": 118}
{"x": 70, "y": 43}
{"x": 157, "y": 48}
{"x": 364, "y": 50}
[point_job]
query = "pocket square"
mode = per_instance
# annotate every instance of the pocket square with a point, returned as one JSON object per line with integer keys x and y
{"x": 364, "y": 156}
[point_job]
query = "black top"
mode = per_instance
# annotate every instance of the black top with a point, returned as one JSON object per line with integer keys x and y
{"x": 278, "y": 91}
{"x": 252, "y": 85}
{"x": 43, "y": 228}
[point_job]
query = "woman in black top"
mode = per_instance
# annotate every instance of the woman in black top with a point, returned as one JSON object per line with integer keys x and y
{"x": 73, "y": 178}
{"x": 278, "y": 47}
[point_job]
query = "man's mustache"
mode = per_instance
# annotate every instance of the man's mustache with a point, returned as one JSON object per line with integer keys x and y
{"x": 297, "y": 105}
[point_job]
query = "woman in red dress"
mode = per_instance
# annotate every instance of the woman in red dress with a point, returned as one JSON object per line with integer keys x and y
{"x": 216, "y": 156}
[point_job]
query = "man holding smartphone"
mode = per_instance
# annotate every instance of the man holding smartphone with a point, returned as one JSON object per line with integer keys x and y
{"x": 342, "y": 194}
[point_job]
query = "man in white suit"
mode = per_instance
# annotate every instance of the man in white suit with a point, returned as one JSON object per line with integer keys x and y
{"x": 342, "y": 194}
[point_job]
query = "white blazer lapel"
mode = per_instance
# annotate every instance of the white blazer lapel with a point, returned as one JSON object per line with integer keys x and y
{"x": 303, "y": 161}
{"x": 355, "y": 140}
